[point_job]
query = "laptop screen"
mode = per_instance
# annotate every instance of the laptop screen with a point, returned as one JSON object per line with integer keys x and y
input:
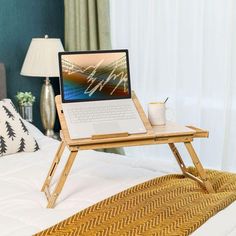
{"x": 94, "y": 75}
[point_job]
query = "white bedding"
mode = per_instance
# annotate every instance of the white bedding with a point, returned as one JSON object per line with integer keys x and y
{"x": 94, "y": 176}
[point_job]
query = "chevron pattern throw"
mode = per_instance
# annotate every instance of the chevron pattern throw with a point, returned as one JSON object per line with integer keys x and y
{"x": 169, "y": 205}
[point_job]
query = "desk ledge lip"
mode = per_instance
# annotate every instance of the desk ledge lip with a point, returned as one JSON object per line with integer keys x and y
{"x": 199, "y": 133}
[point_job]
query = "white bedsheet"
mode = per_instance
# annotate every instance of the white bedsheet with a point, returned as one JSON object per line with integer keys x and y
{"x": 94, "y": 176}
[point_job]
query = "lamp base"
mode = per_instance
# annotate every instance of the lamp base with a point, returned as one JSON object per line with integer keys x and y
{"x": 47, "y": 108}
{"x": 50, "y": 133}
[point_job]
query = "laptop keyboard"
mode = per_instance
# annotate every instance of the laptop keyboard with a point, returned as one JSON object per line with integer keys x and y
{"x": 102, "y": 113}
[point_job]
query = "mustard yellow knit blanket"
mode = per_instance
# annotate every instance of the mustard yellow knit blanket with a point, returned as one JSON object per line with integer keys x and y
{"x": 169, "y": 205}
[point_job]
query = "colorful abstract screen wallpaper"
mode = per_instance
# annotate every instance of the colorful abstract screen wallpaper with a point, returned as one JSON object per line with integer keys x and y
{"x": 94, "y": 76}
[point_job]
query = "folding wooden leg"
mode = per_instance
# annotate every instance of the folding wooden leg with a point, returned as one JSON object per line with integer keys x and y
{"x": 53, "y": 197}
{"x": 53, "y": 167}
{"x": 202, "y": 174}
{"x": 178, "y": 157}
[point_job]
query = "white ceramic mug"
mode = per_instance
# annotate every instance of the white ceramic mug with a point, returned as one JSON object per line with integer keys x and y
{"x": 157, "y": 113}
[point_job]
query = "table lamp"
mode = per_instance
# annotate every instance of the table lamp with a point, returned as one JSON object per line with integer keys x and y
{"x": 42, "y": 61}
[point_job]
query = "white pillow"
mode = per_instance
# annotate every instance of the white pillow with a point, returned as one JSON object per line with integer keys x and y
{"x": 34, "y": 130}
{"x": 14, "y": 135}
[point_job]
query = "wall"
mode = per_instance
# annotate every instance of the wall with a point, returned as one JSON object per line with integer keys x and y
{"x": 20, "y": 21}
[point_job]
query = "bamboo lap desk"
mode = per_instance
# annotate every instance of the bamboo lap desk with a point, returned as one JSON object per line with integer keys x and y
{"x": 169, "y": 134}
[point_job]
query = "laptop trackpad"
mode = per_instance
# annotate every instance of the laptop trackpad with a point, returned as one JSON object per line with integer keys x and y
{"x": 107, "y": 128}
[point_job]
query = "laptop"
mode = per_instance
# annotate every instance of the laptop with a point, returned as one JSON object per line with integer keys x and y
{"x": 96, "y": 93}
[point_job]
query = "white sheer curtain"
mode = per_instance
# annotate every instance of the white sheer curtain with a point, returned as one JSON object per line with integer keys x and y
{"x": 186, "y": 50}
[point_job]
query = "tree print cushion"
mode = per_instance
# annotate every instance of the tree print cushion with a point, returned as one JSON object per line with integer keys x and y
{"x": 14, "y": 135}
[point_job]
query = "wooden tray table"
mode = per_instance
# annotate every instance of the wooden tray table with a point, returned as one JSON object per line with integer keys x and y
{"x": 169, "y": 134}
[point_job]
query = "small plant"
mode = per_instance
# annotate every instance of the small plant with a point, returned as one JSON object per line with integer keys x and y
{"x": 25, "y": 98}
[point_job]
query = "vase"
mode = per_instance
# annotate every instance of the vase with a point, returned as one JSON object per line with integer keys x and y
{"x": 26, "y": 111}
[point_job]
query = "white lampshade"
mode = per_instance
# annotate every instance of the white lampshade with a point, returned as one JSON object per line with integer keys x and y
{"x": 42, "y": 58}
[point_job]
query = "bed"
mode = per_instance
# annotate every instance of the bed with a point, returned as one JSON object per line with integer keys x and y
{"x": 23, "y": 207}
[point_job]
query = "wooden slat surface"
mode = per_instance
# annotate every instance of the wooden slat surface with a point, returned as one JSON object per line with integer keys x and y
{"x": 171, "y": 132}
{"x": 172, "y": 129}
{"x": 89, "y": 141}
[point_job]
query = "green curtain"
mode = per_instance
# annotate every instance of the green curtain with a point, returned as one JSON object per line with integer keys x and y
{"x": 87, "y": 27}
